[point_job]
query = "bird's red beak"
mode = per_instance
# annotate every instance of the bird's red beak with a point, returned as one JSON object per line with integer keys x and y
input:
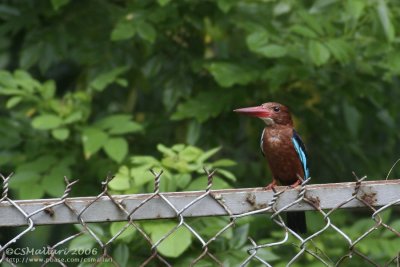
{"x": 259, "y": 112}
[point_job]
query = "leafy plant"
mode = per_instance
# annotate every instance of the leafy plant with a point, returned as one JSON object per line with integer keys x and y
{"x": 182, "y": 167}
{"x": 179, "y": 164}
{"x": 88, "y": 86}
{"x": 43, "y": 122}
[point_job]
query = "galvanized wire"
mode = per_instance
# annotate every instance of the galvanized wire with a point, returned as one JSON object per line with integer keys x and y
{"x": 281, "y": 201}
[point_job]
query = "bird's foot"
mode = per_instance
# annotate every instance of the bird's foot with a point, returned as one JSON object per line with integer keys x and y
{"x": 270, "y": 186}
{"x": 298, "y": 182}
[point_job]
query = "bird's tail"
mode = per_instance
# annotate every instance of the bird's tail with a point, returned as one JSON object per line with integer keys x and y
{"x": 296, "y": 220}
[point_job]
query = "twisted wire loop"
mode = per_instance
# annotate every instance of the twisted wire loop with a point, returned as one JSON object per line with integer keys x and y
{"x": 181, "y": 220}
{"x": 21, "y": 212}
{"x": 272, "y": 205}
{"x": 103, "y": 245}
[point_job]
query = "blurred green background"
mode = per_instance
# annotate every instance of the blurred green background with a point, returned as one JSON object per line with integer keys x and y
{"x": 91, "y": 87}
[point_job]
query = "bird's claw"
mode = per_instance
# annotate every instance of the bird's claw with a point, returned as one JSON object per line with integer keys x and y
{"x": 298, "y": 182}
{"x": 270, "y": 186}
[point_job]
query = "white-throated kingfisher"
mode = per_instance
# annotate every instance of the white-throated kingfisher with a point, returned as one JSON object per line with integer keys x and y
{"x": 284, "y": 151}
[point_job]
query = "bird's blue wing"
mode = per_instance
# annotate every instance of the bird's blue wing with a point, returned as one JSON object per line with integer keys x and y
{"x": 301, "y": 152}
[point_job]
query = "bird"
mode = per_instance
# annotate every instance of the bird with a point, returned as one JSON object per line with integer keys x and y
{"x": 284, "y": 151}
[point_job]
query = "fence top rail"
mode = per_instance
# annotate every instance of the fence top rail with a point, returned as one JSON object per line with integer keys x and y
{"x": 215, "y": 203}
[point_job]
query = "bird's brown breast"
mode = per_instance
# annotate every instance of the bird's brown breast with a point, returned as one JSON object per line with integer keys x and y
{"x": 282, "y": 158}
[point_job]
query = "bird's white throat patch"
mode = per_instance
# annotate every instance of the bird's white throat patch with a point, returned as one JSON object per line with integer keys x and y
{"x": 268, "y": 121}
{"x": 274, "y": 140}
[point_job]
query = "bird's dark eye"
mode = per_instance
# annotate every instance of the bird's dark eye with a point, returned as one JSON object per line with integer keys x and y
{"x": 276, "y": 109}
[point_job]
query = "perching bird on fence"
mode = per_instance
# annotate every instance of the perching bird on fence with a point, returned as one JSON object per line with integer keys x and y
{"x": 284, "y": 151}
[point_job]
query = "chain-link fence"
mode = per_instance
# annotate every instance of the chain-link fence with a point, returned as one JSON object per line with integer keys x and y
{"x": 326, "y": 199}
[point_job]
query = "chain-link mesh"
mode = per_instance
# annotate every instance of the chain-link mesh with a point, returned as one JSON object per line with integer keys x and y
{"x": 376, "y": 197}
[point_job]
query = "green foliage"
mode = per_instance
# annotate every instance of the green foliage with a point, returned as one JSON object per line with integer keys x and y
{"x": 182, "y": 168}
{"x": 175, "y": 244}
{"x": 88, "y": 88}
{"x": 50, "y": 133}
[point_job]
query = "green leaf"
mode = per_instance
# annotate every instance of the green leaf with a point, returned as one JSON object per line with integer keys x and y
{"x": 340, "y": 49}
{"x": 7, "y": 80}
{"x": 142, "y": 175}
{"x": 385, "y": 19}
{"x": 386, "y": 118}
{"x": 282, "y": 8}
{"x": 73, "y": 117}
{"x": 39, "y": 165}
{"x": 175, "y": 163}
{"x": 163, "y": 2}
{"x": 48, "y": 89}
{"x": 125, "y": 29}
{"x": 46, "y": 122}
{"x": 119, "y": 124}
{"x": 355, "y": 8}
{"x": 24, "y": 177}
{"x": 273, "y": 51}
{"x": 85, "y": 241}
{"x": 229, "y": 74}
{"x": 190, "y": 153}
{"x": 60, "y": 133}
{"x": 127, "y": 235}
{"x": 225, "y": 5}
{"x": 152, "y": 66}
{"x": 112, "y": 121}
{"x": 13, "y": 101}
{"x": 144, "y": 160}
{"x": 178, "y": 147}
{"x": 318, "y": 52}
{"x": 320, "y": 5}
{"x": 107, "y": 78}
{"x": 270, "y": 256}
{"x": 96, "y": 228}
{"x": 53, "y": 182}
{"x": 393, "y": 63}
{"x": 121, "y": 180}
{"x": 165, "y": 150}
{"x": 203, "y": 106}
{"x": 93, "y": 139}
{"x": 312, "y": 22}
{"x": 193, "y": 132}
{"x": 121, "y": 255}
{"x": 200, "y": 184}
{"x": 146, "y": 31}
{"x": 224, "y": 163}
{"x": 303, "y": 31}
{"x": 30, "y": 191}
{"x": 227, "y": 174}
{"x": 182, "y": 180}
{"x": 240, "y": 236}
{"x": 257, "y": 40}
{"x": 175, "y": 244}
{"x": 30, "y": 55}
{"x": 175, "y": 89}
{"x": 57, "y": 4}
{"x": 7, "y": 91}
{"x": 208, "y": 154}
{"x": 116, "y": 148}
{"x": 26, "y": 82}
{"x": 10, "y": 137}
{"x": 214, "y": 225}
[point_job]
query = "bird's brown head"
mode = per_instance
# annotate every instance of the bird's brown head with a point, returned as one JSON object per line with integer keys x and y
{"x": 271, "y": 113}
